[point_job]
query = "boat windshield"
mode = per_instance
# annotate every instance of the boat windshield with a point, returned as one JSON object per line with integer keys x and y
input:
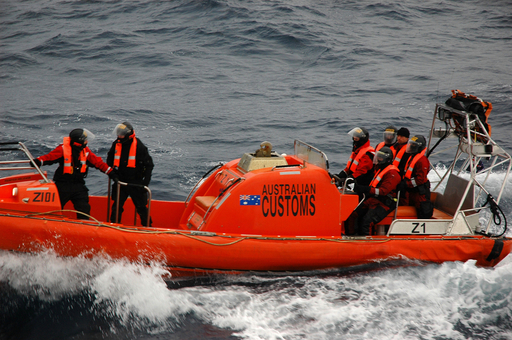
{"x": 310, "y": 154}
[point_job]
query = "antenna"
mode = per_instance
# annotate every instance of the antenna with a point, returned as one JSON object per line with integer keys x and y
{"x": 437, "y": 94}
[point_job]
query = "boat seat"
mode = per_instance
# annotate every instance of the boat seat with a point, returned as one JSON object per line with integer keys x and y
{"x": 441, "y": 215}
{"x": 408, "y": 212}
{"x": 205, "y": 202}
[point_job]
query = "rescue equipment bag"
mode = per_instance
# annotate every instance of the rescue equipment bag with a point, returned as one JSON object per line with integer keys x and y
{"x": 470, "y": 103}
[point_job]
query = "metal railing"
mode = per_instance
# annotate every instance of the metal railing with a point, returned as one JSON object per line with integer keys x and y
{"x": 206, "y": 175}
{"x": 118, "y": 191}
{"x": 21, "y": 147}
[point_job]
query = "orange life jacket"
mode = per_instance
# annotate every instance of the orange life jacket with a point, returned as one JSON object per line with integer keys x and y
{"x": 399, "y": 155}
{"x": 380, "y": 146}
{"x": 378, "y": 176}
{"x": 353, "y": 161}
{"x": 131, "y": 155}
{"x": 383, "y": 144}
{"x": 410, "y": 168}
{"x": 68, "y": 157}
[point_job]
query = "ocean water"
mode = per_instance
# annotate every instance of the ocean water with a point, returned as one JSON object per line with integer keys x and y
{"x": 206, "y": 81}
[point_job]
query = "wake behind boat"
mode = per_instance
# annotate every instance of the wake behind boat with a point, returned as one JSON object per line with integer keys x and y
{"x": 273, "y": 214}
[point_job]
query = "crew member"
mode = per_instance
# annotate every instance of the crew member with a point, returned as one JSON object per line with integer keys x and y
{"x": 131, "y": 159}
{"x": 265, "y": 150}
{"x": 380, "y": 195}
{"x": 416, "y": 177}
{"x": 402, "y": 137}
{"x": 389, "y": 139}
{"x": 360, "y": 163}
{"x": 74, "y": 158}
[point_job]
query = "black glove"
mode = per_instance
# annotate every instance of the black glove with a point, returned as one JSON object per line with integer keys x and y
{"x": 401, "y": 186}
{"x": 362, "y": 189}
{"x": 37, "y": 161}
{"x": 113, "y": 175}
{"x": 342, "y": 174}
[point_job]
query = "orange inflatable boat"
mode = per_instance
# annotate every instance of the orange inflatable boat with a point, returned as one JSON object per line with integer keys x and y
{"x": 279, "y": 213}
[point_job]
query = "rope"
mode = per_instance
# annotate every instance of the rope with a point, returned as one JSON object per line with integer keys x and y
{"x": 64, "y": 210}
{"x": 194, "y": 237}
{"x": 496, "y": 211}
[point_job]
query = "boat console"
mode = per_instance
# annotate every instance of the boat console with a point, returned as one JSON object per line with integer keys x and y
{"x": 250, "y": 162}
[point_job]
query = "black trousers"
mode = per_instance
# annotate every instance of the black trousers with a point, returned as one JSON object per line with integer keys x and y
{"x": 362, "y": 220}
{"x": 139, "y": 199}
{"x": 78, "y": 194}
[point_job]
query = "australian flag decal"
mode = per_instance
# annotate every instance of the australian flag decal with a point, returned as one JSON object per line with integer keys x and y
{"x": 250, "y": 199}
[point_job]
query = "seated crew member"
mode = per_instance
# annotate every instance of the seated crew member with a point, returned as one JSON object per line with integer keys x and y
{"x": 265, "y": 150}
{"x": 380, "y": 195}
{"x": 402, "y": 137}
{"x": 389, "y": 139}
{"x": 360, "y": 163}
{"x": 131, "y": 159}
{"x": 416, "y": 181}
{"x": 74, "y": 158}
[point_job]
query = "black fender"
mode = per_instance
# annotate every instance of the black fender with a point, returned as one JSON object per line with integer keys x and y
{"x": 496, "y": 250}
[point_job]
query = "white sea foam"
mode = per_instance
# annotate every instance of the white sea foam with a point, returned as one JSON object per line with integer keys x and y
{"x": 435, "y": 301}
{"x": 45, "y": 275}
{"x": 138, "y": 291}
{"x": 126, "y": 291}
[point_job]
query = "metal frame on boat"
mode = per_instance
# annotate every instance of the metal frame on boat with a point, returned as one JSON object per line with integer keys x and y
{"x": 466, "y": 195}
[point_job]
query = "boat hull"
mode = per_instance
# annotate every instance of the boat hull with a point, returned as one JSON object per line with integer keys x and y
{"x": 189, "y": 253}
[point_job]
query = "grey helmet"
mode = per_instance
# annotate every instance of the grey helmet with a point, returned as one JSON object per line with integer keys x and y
{"x": 416, "y": 144}
{"x": 361, "y": 134}
{"x": 80, "y": 137}
{"x": 122, "y": 130}
{"x": 383, "y": 157}
{"x": 389, "y": 135}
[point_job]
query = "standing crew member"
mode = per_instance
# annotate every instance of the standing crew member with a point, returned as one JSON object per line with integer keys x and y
{"x": 74, "y": 158}
{"x": 360, "y": 163}
{"x": 380, "y": 194}
{"x": 415, "y": 177}
{"x": 131, "y": 159}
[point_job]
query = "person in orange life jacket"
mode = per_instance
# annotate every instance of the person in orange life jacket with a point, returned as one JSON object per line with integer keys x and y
{"x": 402, "y": 137}
{"x": 131, "y": 159}
{"x": 389, "y": 139}
{"x": 360, "y": 163}
{"x": 415, "y": 177}
{"x": 74, "y": 158}
{"x": 401, "y": 157}
{"x": 380, "y": 195}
